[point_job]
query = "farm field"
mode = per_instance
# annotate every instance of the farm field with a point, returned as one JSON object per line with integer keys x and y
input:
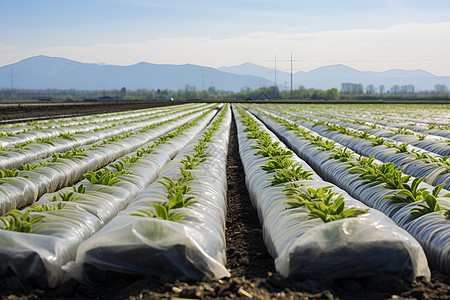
{"x": 347, "y": 201}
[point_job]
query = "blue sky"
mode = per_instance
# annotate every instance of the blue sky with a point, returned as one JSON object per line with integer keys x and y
{"x": 367, "y": 34}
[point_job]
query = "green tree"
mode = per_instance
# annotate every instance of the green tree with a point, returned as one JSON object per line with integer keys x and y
{"x": 332, "y": 93}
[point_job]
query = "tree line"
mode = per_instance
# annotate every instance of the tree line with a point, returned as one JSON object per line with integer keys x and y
{"x": 191, "y": 93}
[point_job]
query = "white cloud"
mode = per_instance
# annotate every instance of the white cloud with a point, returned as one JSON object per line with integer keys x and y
{"x": 4, "y": 47}
{"x": 407, "y": 46}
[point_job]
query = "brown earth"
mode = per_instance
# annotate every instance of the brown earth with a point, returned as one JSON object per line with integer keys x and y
{"x": 251, "y": 266}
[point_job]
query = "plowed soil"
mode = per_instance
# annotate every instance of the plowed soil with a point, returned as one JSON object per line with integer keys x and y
{"x": 251, "y": 266}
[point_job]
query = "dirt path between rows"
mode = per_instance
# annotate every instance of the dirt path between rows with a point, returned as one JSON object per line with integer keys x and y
{"x": 251, "y": 266}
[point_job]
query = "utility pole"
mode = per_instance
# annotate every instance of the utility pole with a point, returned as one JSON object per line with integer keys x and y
{"x": 291, "y": 75}
{"x": 203, "y": 81}
{"x": 285, "y": 90}
{"x": 275, "y": 70}
{"x": 11, "y": 77}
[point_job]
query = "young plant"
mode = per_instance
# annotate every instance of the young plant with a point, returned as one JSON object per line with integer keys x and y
{"x": 15, "y": 220}
{"x": 104, "y": 176}
{"x": 68, "y": 136}
{"x": 44, "y": 207}
{"x": 430, "y": 205}
{"x": 48, "y": 140}
{"x": 377, "y": 140}
{"x": 409, "y": 193}
{"x": 162, "y": 211}
{"x": 342, "y": 154}
{"x": 69, "y": 196}
{"x": 5, "y": 173}
{"x": 74, "y": 153}
{"x": 129, "y": 160}
{"x": 23, "y": 146}
{"x": 118, "y": 166}
{"x": 31, "y": 167}
{"x": 295, "y": 172}
{"x": 402, "y": 148}
{"x": 323, "y": 203}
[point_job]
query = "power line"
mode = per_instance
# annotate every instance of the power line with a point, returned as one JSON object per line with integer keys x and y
{"x": 275, "y": 69}
{"x": 291, "y": 75}
{"x": 371, "y": 61}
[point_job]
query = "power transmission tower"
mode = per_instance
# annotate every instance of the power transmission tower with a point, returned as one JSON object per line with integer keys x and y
{"x": 275, "y": 70}
{"x": 11, "y": 76}
{"x": 291, "y": 75}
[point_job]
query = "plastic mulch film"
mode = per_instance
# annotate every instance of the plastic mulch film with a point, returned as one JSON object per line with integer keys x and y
{"x": 409, "y": 162}
{"x": 430, "y": 143}
{"x": 367, "y": 245}
{"x": 23, "y": 132}
{"x": 64, "y": 172}
{"x": 192, "y": 248}
{"x": 306, "y": 151}
{"x": 37, "y": 257}
{"x": 17, "y": 157}
{"x": 402, "y": 122}
{"x": 373, "y": 195}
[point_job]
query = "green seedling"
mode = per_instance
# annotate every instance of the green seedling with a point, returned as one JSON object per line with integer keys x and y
{"x": 44, "y": 207}
{"x": 68, "y": 136}
{"x": 104, "y": 176}
{"x": 5, "y": 173}
{"x": 402, "y": 148}
{"x": 30, "y": 167}
{"x": 162, "y": 211}
{"x": 409, "y": 193}
{"x": 430, "y": 205}
{"x": 48, "y": 140}
{"x": 293, "y": 173}
{"x": 323, "y": 203}
{"x": 74, "y": 153}
{"x": 18, "y": 221}
{"x": 377, "y": 140}
{"x": 23, "y": 146}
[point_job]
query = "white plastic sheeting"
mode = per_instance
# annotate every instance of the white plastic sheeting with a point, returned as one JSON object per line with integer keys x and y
{"x": 55, "y": 175}
{"x": 417, "y": 124}
{"x": 430, "y": 230}
{"x": 56, "y": 127}
{"x": 193, "y": 248}
{"x": 52, "y": 129}
{"x": 37, "y": 257}
{"x": 409, "y": 163}
{"x": 15, "y": 158}
{"x": 430, "y": 143}
{"x": 367, "y": 245}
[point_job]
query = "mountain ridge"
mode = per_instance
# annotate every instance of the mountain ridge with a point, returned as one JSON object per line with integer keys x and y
{"x": 45, "y": 72}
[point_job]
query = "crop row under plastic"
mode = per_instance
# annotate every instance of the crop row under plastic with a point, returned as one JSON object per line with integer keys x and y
{"x": 28, "y": 185}
{"x": 42, "y": 148}
{"x": 414, "y": 205}
{"x": 312, "y": 228}
{"x": 413, "y": 161}
{"x": 25, "y": 133}
{"x": 50, "y": 231}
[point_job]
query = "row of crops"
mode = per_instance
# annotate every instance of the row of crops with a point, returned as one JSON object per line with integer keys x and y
{"x": 144, "y": 192}
{"x": 387, "y": 183}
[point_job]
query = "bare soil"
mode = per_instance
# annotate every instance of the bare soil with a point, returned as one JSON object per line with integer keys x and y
{"x": 251, "y": 266}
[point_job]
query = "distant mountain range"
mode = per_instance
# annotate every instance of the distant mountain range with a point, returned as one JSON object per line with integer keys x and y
{"x": 334, "y": 75}
{"x": 43, "y": 72}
